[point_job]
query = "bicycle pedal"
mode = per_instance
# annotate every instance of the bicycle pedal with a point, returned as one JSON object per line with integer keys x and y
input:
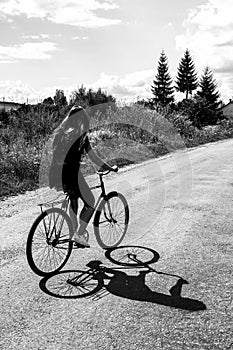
{"x": 80, "y": 246}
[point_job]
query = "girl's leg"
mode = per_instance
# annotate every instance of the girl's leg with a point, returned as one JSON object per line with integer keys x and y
{"x": 73, "y": 210}
{"x": 84, "y": 218}
{"x": 89, "y": 202}
{"x": 70, "y": 185}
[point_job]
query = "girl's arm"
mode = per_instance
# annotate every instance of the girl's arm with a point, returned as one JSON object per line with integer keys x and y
{"x": 96, "y": 159}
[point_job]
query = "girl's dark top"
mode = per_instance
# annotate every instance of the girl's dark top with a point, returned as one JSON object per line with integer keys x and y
{"x": 75, "y": 153}
{"x": 70, "y": 169}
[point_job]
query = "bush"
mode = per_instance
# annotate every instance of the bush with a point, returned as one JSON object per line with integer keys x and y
{"x": 127, "y": 134}
{"x": 199, "y": 112}
{"x": 19, "y": 168}
{"x": 182, "y": 124}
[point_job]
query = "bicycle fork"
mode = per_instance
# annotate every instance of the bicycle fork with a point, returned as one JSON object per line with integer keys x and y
{"x": 110, "y": 218}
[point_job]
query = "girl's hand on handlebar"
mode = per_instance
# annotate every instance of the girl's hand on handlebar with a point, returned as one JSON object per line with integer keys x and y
{"x": 107, "y": 169}
{"x": 115, "y": 168}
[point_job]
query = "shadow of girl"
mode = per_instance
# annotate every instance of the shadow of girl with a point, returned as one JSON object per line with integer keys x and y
{"x": 134, "y": 287}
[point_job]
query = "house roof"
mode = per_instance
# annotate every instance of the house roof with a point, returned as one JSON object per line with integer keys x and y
{"x": 8, "y": 103}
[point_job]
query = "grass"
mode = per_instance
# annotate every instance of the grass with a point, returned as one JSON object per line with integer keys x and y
{"x": 123, "y": 135}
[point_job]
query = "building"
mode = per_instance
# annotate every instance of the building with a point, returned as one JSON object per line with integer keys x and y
{"x": 9, "y": 105}
{"x": 227, "y": 110}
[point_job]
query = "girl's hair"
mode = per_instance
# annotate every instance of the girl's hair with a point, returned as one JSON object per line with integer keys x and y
{"x": 73, "y": 129}
{"x": 78, "y": 117}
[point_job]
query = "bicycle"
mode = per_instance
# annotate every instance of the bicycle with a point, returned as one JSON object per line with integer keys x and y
{"x": 49, "y": 245}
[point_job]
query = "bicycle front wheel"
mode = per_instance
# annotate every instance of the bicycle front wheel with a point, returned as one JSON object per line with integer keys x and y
{"x": 111, "y": 220}
{"x": 48, "y": 245}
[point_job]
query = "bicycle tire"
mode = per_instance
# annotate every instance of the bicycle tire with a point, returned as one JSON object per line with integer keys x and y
{"x": 71, "y": 284}
{"x": 110, "y": 229}
{"x": 48, "y": 255}
{"x": 142, "y": 255}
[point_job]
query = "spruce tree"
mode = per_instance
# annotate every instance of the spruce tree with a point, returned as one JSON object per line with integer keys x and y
{"x": 208, "y": 89}
{"x": 208, "y": 99}
{"x": 161, "y": 88}
{"x": 186, "y": 77}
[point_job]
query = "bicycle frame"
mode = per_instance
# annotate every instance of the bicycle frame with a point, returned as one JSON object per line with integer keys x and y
{"x": 53, "y": 229}
{"x": 65, "y": 202}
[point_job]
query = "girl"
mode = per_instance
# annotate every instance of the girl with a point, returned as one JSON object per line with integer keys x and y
{"x": 72, "y": 146}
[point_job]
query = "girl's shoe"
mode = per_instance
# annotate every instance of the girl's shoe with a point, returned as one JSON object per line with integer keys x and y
{"x": 81, "y": 239}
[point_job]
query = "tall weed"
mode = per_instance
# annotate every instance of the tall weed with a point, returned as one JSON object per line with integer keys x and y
{"x": 125, "y": 135}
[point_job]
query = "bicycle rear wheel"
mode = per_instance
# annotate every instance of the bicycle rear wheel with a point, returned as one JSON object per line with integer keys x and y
{"x": 132, "y": 255}
{"x": 111, "y": 220}
{"x": 48, "y": 245}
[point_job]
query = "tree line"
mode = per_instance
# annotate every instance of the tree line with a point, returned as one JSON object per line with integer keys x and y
{"x": 202, "y": 108}
{"x": 201, "y": 104}
{"x": 42, "y": 118}
{"x": 23, "y": 133}
{"x": 82, "y": 96}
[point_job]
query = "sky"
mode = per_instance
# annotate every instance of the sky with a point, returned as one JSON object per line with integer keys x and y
{"x": 112, "y": 44}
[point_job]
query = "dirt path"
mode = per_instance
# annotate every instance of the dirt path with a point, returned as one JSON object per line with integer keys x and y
{"x": 181, "y": 206}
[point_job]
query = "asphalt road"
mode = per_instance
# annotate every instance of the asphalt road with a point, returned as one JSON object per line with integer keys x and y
{"x": 181, "y": 207}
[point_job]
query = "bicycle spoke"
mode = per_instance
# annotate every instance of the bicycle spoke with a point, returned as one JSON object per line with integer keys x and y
{"x": 112, "y": 220}
{"x": 45, "y": 252}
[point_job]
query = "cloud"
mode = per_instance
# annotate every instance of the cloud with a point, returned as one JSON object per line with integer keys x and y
{"x": 169, "y": 25}
{"x": 36, "y": 37}
{"x": 131, "y": 86}
{"x": 71, "y": 12}
{"x": 78, "y": 38}
{"x": 128, "y": 88}
{"x": 208, "y": 35}
{"x": 35, "y": 51}
{"x": 16, "y": 91}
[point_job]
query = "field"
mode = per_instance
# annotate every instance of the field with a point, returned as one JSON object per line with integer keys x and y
{"x": 123, "y": 135}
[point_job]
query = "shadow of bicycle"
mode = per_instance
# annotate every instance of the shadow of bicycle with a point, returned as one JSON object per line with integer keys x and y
{"x": 99, "y": 281}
